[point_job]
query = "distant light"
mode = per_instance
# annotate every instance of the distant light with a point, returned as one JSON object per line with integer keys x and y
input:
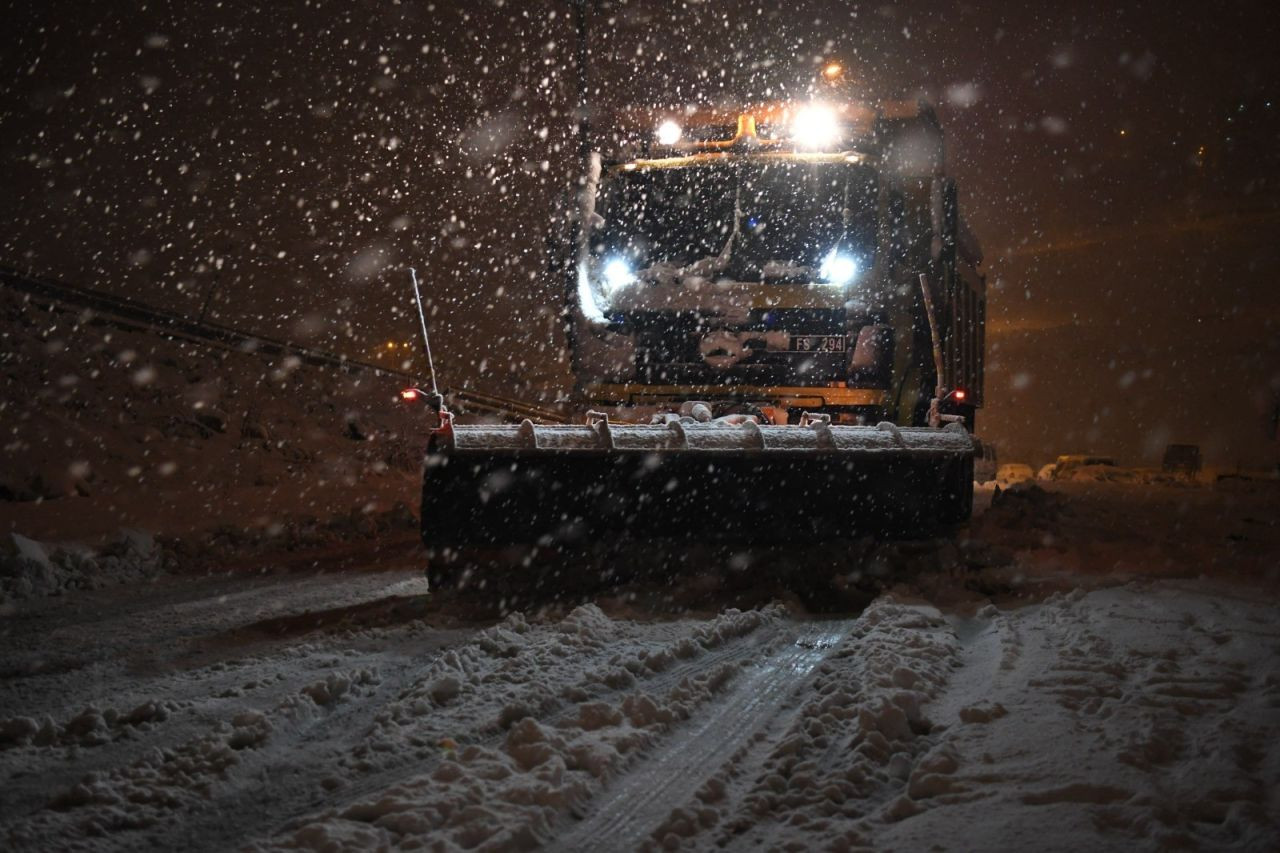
{"x": 815, "y": 127}
{"x": 391, "y": 344}
{"x": 669, "y": 133}
{"x": 617, "y": 275}
{"x": 833, "y": 70}
{"x": 959, "y": 394}
{"x": 409, "y": 395}
{"x": 838, "y": 269}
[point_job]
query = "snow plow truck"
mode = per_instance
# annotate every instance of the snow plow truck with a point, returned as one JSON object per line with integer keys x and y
{"x": 775, "y": 320}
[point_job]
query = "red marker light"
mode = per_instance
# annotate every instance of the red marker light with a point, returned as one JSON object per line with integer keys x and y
{"x": 959, "y": 393}
{"x": 409, "y": 395}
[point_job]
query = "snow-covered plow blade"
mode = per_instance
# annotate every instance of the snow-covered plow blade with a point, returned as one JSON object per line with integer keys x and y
{"x": 497, "y": 486}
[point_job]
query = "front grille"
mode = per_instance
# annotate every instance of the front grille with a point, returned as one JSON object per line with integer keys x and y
{"x": 668, "y": 349}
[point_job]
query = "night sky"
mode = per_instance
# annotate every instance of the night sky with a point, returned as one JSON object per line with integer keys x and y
{"x": 1121, "y": 166}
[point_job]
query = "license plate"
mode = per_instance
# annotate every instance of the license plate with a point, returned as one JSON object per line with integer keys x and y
{"x": 817, "y": 343}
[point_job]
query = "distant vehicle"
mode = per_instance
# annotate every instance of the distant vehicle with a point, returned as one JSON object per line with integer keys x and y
{"x": 1182, "y": 459}
{"x": 1015, "y": 472}
{"x": 1064, "y": 465}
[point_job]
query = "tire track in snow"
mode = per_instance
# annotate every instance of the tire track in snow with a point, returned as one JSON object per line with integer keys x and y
{"x": 637, "y": 803}
{"x": 985, "y": 645}
{"x": 846, "y": 756}
{"x": 735, "y": 649}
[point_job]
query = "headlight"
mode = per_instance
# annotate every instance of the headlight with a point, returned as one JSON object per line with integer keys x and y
{"x": 669, "y": 133}
{"x": 815, "y": 127}
{"x": 838, "y": 269}
{"x": 617, "y": 274}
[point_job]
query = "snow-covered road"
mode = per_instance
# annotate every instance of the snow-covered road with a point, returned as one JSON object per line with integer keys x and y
{"x": 1004, "y": 703}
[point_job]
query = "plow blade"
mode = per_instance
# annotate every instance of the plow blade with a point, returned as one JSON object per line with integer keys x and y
{"x": 496, "y": 486}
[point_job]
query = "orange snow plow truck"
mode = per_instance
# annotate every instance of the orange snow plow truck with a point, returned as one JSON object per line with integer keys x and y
{"x": 775, "y": 316}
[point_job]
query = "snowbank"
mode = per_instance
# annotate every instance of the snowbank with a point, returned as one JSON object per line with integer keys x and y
{"x": 32, "y": 569}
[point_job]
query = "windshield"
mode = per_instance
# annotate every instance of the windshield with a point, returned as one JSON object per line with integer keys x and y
{"x": 783, "y": 217}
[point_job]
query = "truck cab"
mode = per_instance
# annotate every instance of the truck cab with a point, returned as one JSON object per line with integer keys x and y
{"x": 774, "y": 259}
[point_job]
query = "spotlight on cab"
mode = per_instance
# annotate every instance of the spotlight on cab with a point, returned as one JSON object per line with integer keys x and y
{"x": 669, "y": 133}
